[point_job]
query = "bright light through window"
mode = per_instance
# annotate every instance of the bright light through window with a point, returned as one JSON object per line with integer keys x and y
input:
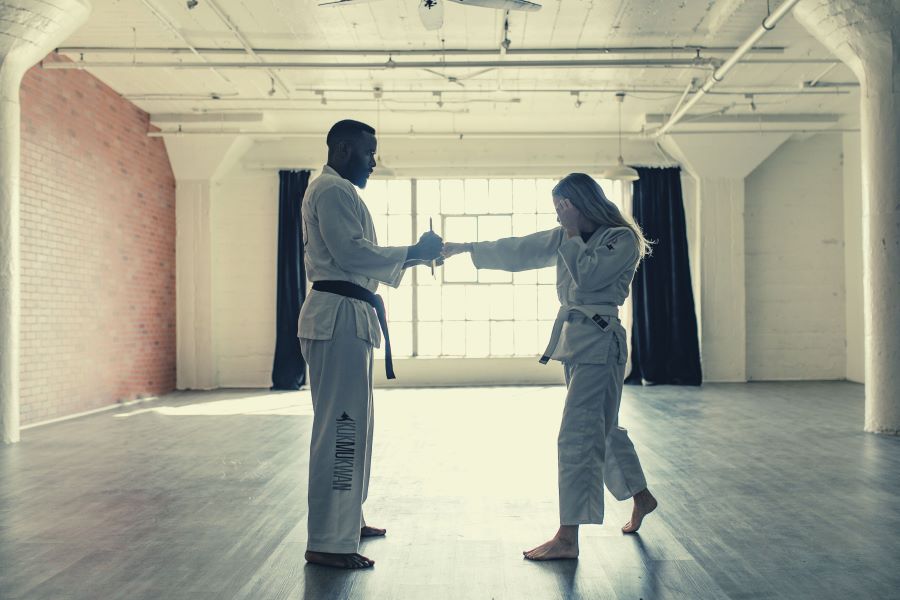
{"x": 463, "y": 311}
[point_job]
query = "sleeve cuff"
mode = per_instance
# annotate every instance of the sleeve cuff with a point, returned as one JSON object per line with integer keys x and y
{"x": 396, "y": 275}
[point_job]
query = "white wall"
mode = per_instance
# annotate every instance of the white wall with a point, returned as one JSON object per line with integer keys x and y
{"x": 244, "y": 219}
{"x": 794, "y": 234}
{"x": 853, "y": 257}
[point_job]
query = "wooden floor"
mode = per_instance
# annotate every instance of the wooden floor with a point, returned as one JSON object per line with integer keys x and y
{"x": 766, "y": 491}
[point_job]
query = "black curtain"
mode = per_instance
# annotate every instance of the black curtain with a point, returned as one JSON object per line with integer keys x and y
{"x": 664, "y": 344}
{"x": 289, "y": 368}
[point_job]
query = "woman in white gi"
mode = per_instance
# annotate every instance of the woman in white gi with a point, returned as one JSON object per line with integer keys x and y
{"x": 596, "y": 251}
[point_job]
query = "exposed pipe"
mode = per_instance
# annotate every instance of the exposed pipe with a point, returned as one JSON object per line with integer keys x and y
{"x": 719, "y": 74}
{"x": 773, "y": 91}
{"x": 171, "y": 27}
{"x": 664, "y": 50}
{"x": 248, "y": 48}
{"x": 497, "y": 134}
{"x": 695, "y": 63}
{"x": 702, "y": 63}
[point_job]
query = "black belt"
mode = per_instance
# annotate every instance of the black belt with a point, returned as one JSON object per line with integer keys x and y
{"x": 351, "y": 290}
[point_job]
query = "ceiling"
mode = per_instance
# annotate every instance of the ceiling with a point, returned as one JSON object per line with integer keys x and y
{"x": 279, "y": 69}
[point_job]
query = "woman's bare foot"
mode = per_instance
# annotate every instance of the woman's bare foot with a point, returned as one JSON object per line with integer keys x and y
{"x": 339, "y": 561}
{"x": 371, "y": 532}
{"x": 563, "y": 545}
{"x": 644, "y": 504}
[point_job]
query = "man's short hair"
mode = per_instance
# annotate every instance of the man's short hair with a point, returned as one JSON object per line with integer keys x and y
{"x": 347, "y": 129}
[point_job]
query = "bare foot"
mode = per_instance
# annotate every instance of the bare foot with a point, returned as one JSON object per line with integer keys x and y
{"x": 371, "y": 532}
{"x": 339, "y": 561}
{"x": 562, "y": 546}
{"x": 644, "y": 504}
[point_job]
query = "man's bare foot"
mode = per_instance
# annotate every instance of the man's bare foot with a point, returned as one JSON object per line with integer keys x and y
{"x": 339, "y": 561}
{"x": 563, "y": 545}
{"x": 371, "y": 532}
{"x": 644, "y": 504}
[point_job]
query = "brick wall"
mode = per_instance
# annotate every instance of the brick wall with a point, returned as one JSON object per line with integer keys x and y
{"x": 98, "y": 249}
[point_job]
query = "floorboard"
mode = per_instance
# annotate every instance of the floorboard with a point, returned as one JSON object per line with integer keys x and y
{"x": 767, "y": 490}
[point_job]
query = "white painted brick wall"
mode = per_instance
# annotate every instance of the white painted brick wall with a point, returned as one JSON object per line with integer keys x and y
{"x": 244, "y": 256}
{"x": 794, "y": 234}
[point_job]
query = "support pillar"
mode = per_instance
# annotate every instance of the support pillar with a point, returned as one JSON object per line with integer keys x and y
{"x": 865, "y": 35}
{"x": 29, "y": 30}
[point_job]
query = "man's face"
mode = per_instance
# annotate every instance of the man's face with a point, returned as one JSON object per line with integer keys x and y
{"x": 362, "y": 159}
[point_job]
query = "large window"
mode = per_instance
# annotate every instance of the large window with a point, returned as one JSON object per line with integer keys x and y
{"x": 463, "y": 311}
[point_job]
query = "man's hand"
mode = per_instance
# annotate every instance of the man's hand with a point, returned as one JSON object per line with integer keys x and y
{"x": 428, "y": 248}
{"x": 452, "y": 249}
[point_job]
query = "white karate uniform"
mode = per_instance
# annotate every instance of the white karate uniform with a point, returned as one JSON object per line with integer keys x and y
{"x": 592, "y": 281}
{"x": 337, "y": 335}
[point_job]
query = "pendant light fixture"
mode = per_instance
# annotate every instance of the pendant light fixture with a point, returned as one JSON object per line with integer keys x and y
{"x": 620, "y": 172}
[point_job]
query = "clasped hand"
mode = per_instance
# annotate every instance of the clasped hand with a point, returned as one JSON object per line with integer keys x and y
{"x": 427, "y": 249}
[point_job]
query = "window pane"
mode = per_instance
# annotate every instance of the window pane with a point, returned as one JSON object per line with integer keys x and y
{"x": 478, "y": 303}
{"x": 429, "y": 301}
{"x": 544, "y": 193}
{"x": 524, "y": 197}
{"x": 500, "y": 196}
{"x": 460, "y": 229}
{"x": 428, "y": 197}
{"x": 452, "y": 197}
{"x": 454, "y": 302}
{"x": 526, "y": 342}
{"x": 502, "y": 338}
{"x": 525, "y": 302}
{"x": 548, "y": 303}
{"x": 436, "y": 224}
{"x": 523, "y": 225}
{"x": 381, "y": 228}
{"x": 502, "y": 302}
{"x": 547, "y": 275}
{"x": 399, "y": 197}
{"x": 454, "y": 334}
{"x": 399, "y": 233}
{"x": 547, "y": 221}
{"x": 478, "y": 338}
{"x": 477, "y": 198}
{"x": 493, "y": 276}
{"x": 460, "y": 268}
{"x": 494, "y": 228}
{"x": 375, "y": 196}
{"x": 525, "y": 277}
{"x": 399, "y": 304}
{"x": 401, "y": 339}
{"x": 429, "y": 339}
{"x": 545, "y": 328}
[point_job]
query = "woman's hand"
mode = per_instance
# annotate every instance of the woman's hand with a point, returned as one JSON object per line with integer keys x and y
{"x": 452, "y": 249}
{"x": 569, "y": 216}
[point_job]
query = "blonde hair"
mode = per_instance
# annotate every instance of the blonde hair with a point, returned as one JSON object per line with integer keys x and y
{"x": 588, "y": 197}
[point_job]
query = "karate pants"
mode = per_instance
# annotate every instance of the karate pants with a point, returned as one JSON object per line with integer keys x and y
{"x": 340, "y": 451}
{"x": 592, "y": 449}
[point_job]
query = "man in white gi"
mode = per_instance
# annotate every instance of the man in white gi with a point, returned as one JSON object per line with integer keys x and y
{"x": 596, "y": 251}
{"x": 338, "y": 329}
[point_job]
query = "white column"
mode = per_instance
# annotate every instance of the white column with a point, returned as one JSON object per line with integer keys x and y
{"x": 29, "y": 29}
{"x": 865, "y": 35}
{"x": 193, "y": 282}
